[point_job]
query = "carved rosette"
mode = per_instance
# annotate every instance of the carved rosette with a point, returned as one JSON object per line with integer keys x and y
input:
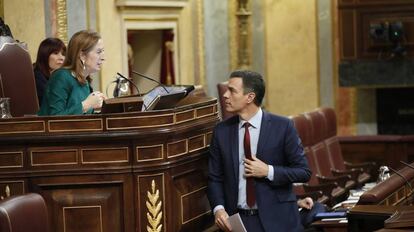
{"x": 62, "y": 21}
{"x": 154, "y": 214}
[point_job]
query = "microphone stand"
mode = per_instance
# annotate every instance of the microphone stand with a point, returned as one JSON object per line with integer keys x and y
{"x": 127, "y": 79}
{"x": 133, "y": 84}
{"x": 151, "y": 79}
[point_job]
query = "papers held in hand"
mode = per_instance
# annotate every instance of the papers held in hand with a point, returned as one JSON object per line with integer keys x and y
{"x": 236, "y": 223}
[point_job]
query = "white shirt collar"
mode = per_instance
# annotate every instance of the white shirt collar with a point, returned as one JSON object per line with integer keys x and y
{"x": 255, "y": 121}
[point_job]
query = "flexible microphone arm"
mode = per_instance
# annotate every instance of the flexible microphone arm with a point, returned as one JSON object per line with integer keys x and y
{"x": 133, "y": 84}
{"x": 151, "y": 79}
{"x": 406, "y": 182}
{"x": 127, "y": 79}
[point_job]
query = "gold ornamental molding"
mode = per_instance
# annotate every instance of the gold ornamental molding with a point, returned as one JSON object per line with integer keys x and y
{"x": 154, "y": 214}
{"x": 62, "y": 20}
{"x": 6, "y": 191}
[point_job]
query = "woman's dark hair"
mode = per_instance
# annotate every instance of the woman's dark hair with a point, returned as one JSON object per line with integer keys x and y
{"x": 47, "y": 47}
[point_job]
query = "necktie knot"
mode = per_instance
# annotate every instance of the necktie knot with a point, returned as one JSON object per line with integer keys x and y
{"x": 246, "y": 125}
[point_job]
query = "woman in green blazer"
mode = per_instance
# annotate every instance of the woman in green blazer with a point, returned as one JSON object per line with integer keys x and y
{"x": 68, "y": 91}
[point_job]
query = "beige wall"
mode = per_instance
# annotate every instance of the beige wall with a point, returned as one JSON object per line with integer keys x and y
{"x": 26, "y": 21}
{"x": 291, "y": 56}
{"x": 108, "y": 25}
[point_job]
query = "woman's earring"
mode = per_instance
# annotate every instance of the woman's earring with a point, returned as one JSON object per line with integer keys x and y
{"x": 83, "y": 65}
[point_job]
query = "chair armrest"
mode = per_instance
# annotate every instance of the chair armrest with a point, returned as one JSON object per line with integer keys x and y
{"x": 341, "y": 180}
{"x": 354, "y": 173}
{"x": 313, "y": 194}
{"x": 325, "y": 188}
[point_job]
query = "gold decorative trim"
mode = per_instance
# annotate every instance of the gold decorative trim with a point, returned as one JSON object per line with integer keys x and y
{"x": 53, "y": 164}
{"x": 13, "y": 152}
{"x": 200, "y": 38}
{"x": 105, "y": 162}
{"x": 82, "y": 207}
{"x": 182, "y": 206}
{"x": 196, "y": 149}
{"x": 26, "y": 131}
{"x": 244, "y": 47}
{"x": 76, "y": 120}
{"x": 163, "y": 193}
{"x": 137, "y": 127}
{"x": 154, "y": 214}
{"x": 179, "y": 154}
{"x": 6, "y": 191}
{"x": 146, "y": 160}
{"x": 10, "y": 182}
{"x": 233, "y": 43}
{"x": 62, "y": 21}
{"x": 207, "y": 134}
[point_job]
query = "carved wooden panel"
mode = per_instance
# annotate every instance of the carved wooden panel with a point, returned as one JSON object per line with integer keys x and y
{"x": 185, "y": 116}
{"x": 12, "y": 187}
{"x": 105, "y": 155}
{"x": 75, "y": 125}
{"x": 54, "y": 156}
{"x": 114, "y": 123}
{"x": 150, "y": 152}
{"x": 356, "y": 18}
{"x": 196, "y": 143}
{"x": 86, "y": 203}
{"x": 24, "y": 127}
{"x": 151, "y": 203}
{"x": 177, "y": 148}
{"x": 11, "y": 159}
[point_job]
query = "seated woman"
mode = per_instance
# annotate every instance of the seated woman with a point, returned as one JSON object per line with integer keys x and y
{"x": 68, "y": 91}
{"x": 50, "y": 56}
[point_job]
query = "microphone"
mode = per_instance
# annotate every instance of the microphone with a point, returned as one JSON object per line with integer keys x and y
{"x": 151, "y": 79}
{"x": 405, "y": 180}
{"x": 133, "y": 84}
{"x": 127, "y": 79}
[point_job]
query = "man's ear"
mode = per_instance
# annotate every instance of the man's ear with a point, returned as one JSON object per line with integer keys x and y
{"x": 251, "y": 96}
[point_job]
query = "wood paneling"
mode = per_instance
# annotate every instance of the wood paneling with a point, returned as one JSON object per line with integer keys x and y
{"x": 355, "y": 18}
{"x": 114, "y": 172}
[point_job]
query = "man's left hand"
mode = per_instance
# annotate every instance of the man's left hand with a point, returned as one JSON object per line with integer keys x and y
{"x": 255, "y": 168}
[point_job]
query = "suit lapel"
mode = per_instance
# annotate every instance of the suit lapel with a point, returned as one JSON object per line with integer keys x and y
{"x": 234, "y": 145}
{"x": 264, "y": 133}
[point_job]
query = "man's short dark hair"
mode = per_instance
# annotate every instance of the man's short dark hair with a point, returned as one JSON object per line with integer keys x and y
{"x": 252, "y": 82}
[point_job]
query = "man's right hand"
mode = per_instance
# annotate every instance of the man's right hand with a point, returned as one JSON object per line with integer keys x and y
{"x": 221, "y": 220}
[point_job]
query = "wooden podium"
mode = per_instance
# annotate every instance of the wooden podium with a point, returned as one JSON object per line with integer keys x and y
{"x": 133, "y": 171}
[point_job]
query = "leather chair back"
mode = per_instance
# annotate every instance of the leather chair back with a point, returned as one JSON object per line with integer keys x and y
{"x": 312, "y": 165}
{"x": 24, "y": 213}
{"x": 17, "y": 78}
{"x": 329, "y": 117}
{"x": 222, "y": 88}
{"x": 303, "y": 128}
{"x": 318, "y": 128}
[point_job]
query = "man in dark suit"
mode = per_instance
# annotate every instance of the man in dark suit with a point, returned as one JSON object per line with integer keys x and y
{"x": 251, "y": 170}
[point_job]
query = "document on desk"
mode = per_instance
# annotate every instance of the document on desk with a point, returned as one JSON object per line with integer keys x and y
{"x": 236, "y": 223}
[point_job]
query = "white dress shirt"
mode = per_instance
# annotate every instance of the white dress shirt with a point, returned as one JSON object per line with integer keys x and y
{"x": 254, "y": 130}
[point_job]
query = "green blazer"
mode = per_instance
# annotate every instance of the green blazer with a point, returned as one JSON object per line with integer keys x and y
{"x": 64, "y": 95}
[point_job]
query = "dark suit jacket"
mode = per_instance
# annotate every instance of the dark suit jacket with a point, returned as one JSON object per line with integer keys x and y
{"x": 278, "y": 145}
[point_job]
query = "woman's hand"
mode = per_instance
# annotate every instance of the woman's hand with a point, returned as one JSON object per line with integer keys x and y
{"x": 93, "y": 101}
